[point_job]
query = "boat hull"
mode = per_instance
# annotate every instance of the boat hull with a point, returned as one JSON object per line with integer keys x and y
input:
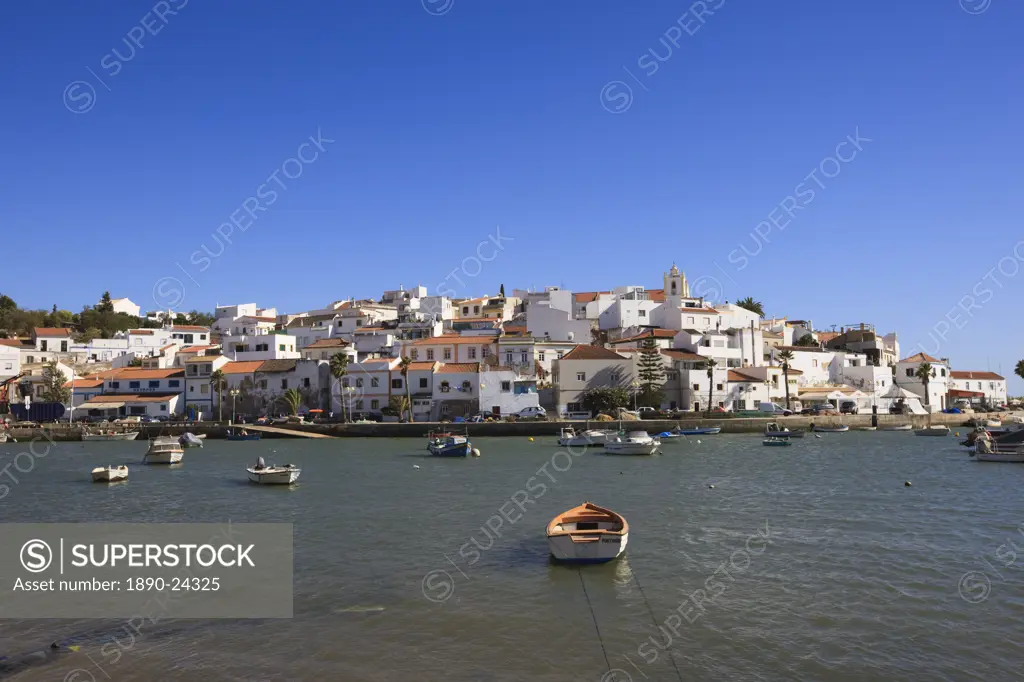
{"x": 459, "y": 450}
{"x": 832, "y": 430}
{"x": 904, "y": 427}
{"x": 775, "y": 443}
{"x": 602, "y": 550}
{"x": 631, "y": 448}
{"x": 275, "y": 476}
{"x": 163, "y": 458}
{"x": 131, "y": 435}
{"x": 706, "y": 431}
{"x": 584, "y": 439}
{"x": 1000, "y": 457}
{"x": 109, "y": 475}
{"x": 251, "y": 436}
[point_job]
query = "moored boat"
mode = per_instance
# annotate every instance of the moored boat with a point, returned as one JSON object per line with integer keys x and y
{"x": 901, "y": 427}
{"x": 987, "y": 451}
{"x": 937, "y": 430}
{"x": 241, "y": 434}
{"x": 776, "y": 442}
{"x": 843, "y": 428}
{"x": 109, "y": 474}
{"x": 451, "y": 446}
{"x": 163, "y": 450}
{"x": 283, "y": 474}
{"x": 587, "y": 534}
{"x": 110, "y": 434}
{"x": 867, "y": 428}
{"x": 775, "y": 430}
{"x": 569, "y": 437}
{"x": 702, "y": 431}
{"x": 632, "y": 443}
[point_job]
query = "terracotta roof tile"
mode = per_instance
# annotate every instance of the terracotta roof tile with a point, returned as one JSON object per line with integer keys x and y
{"x": 683, "y": 355}
{"x": 454, "y": 367}
{"x": 968, "y": 374}
{"x": 52, "y": 331}
{"x": 141, "y": 332}
{"x": 582, "y": 352}
{"x": 241, "y": 367}
{"x": 85, "y": 383}
{"x": 734, "y": 375}
{"x": 421, "y": 365}
{"x": 188, "y": 328}
{"x": 328, "y": 343}
{"x": 920, "y": 357}
{"x": 13, "y": 343}
{"x": 269, "y": 366}
{"x": 132, "y": 373}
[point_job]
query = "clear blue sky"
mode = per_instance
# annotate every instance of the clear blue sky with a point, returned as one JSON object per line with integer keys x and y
{"x": 449, "y": 124}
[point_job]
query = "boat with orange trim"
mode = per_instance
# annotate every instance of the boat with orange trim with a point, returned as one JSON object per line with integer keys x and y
{"x": 587, "y": 534}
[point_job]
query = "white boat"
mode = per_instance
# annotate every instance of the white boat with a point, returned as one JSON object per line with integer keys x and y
{"x": 284, "y": 474}
{"x": 164, "y": 451}
{"x": 110, "y": 435}
{"x": 901, "y": 427}
{"x": 867, "y": 428}
{"x": 570, "y": 437}
{"x": 774, "y": 430}
{"x": 109, "y": 474}
{"x": 937, "y": 430}
{"x": 773, "y": 441}
{"x": 633, "y": 443}
{"x": 587, "y": 534}
{"x": 449, "y": 445}
{"x": 993, "y": 423}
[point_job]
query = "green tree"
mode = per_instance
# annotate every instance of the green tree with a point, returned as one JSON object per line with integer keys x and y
{"x": 651, "y": 373}
{"x": 805, "y": 341}
{"x": 710, "y": 364}
{"x": 924, "y": 373}
{"x": 339, "y": 369}
{"x": 605, "y": 399}
{"x": 750, "y": 304}
{"x": 786, "y": 357}
{"x": 200, "y": 319}
{"x": 87, "y": 336}
{"x": 398, "y": 405}
{"x": 403, "y": 368}
{"x": 106, "y": 305}
{"x": 1019, "y": 369}
{"x": 292, "y": 400}
{"x": 217, "y": 380}
{"x": 54, "y": 390}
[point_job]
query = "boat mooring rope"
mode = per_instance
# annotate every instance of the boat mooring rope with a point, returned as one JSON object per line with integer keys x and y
{"x": 655, "y": 621}
{"x": 594, "y": 617}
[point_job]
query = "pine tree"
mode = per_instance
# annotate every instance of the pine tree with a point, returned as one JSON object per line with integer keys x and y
{"x": 651, "y": 373}
{"x": 106, "y": 305}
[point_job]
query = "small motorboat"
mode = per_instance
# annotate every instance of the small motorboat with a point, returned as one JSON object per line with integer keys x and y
{"x": 284, "y": 474}
{"x": 164, "y": 450}
{"x": 776, "y": 442}
{"x": 570, "y": 437}
{"x": 702, "y": 431}
{"x": 775, "y": 430}
{"x": 843, "y": 428}
{"x": 587, "y": 534}
{"x": 109, "y": 474}
{"x": 632, "y": 443}
{"x": 3, "y": 436}
{"x": 901, "y": 427}
{"x": 938, "y": 430}
{"x": 241, "y": 434}
{"x": 451, "y": 446}
{"x": 110, "y": 434}
{"x": 989, "y": 451}
{"x": 867, "y": 428}
{"x": 190, "y": 440}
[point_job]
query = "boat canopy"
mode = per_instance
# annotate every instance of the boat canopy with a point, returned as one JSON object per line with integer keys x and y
{"x": 895, "y": 391}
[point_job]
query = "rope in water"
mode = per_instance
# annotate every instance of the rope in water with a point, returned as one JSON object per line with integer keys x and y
{"x": 594, "y": 617}
{"x": 655, "y": 621}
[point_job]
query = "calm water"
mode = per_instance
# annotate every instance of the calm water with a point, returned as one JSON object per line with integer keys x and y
{"x": 860, "y": 577}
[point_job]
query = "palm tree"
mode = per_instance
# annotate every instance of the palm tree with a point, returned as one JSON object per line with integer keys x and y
{"x": 750, "y": 304}
{"x": 403, "y": 369}
{"x": 217, "y": 380}
{"x": 924, "y": 373}
{"x": 786, "y": 356}
{"x": 339, "y": 369}
{"x": 293, "y": 399}
{"x": 1019, "y": 369}
{"x": 710, "y": 364}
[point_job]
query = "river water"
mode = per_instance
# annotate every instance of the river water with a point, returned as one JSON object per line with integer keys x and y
{"x": 811, "y": 562}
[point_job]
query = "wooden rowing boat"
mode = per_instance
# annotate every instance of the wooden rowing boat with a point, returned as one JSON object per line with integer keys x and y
{"x": 587, "y": 534}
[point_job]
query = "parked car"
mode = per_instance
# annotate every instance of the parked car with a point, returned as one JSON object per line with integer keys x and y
{"x": 130, "y": 419}
{"x": 774, "y": 408}
{"x": 824, "y": 409}
{"x": 149, "y": 420}
{"x": 646, "y": 412}
{"x": 538, "y": 413}
{"x": 848, "y": 407}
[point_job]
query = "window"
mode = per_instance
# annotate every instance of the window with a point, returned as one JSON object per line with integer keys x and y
{"x": 115, "y": 384}
{"x": 472, "y": 352}
{"x": 138, "y": 341}
{"x": 616, "y": 375}
{"x": 445, "y": 387}
{"x": 444, "y": 408}
{"x": 465, "y": 310}
{"x": 262, "y": 383}
{"x": 284, "y": 384}
{"x": 204, "y": 389}
{"x": 374, "y": 382}
{"x": 173, "y": 383}
{"x": 523, "y": 357}
{"x": 30, "y": 359}
{"x": 476, "y": 310}
{"x": 718, "y": 387}
{"x": 396, "y": 383}
{"x": 10, "y": 365}
{"x": 163, "y": 407}
{"x": 423, "y": 382}
{"x": 943, "y": 372}
{"x": 814, "y": 363}
{"x": 485, "y": 351}
{"x": 506, "y": 386}
{"x": 560, "y": 354}
{"x": 154, "y": 384}
{"x": 910, "y": 372}
{"x": 344, "y": 382}
{"x": 466, "y": 386}
{"x": 374, "y": 404}
{"x": 540, "y": 356}
{"x": 671, "y": 375}
{"x": 414, "y": 354}
{"x": 581, "y": 376}
{"x": 134, "y": 384}
{"x": 64, "y": 349}
{"x": 305, "y": 382}
{"x": 359, "y": 404}
{"x": 696, "y": 387}
{"x": 447, "y": 353}
{"x": 641, "y": 313}
{"x": 281, "y": 346}
{"x": 508, "y": 358}
{"x": 359, "y": 382}
{"x": 430, "y": 354}
{"x": 42, "y": 345}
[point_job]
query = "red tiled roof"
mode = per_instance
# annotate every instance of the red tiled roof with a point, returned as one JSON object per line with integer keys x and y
{"x": 582, "y": 352}
{"x": 968, "y": 374}
{"x": 421, "y": 365}
{"x": 130, "y": 398}
{"x": 683, "y": 355}
{"x": 328, "y": 343}
{"x": 195, "y": 349}
{"x": 920, "y": 357}
{"x": 699, "y": 311}
{"x": 188, "y": 328}
{"x": 733, "y": 375}
{"x": 141, "y": 332}
{"x": 241, "y": 367}
{"x": 13, "y": 343}
{"x": 52, "y": 331}
{"x": 656, "y": 294}
{"x": 454, "y": 339}
{"x": 128, "y": 373}
{"x": 84, "y": 383}
{"x": 453, "y": 367}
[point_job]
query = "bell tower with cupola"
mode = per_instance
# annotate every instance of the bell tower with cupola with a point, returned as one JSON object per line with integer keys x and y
{"x": 676, "y": 286}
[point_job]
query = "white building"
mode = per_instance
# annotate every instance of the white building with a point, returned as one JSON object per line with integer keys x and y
{"x": 985, "y": 388}
{"x": 10, "y": 358}
{"x": 905, "y": 376}
{"x": 261, "y": 345}
{"x": 554, "y": 318}
{"x": 450, "y": 348}
{"x": 585, "y": 368}
{"x": 325, "y": 349}
{"x": 125, "y": 305}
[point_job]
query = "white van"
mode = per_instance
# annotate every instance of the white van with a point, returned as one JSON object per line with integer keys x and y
{"x": 775, "y": 408}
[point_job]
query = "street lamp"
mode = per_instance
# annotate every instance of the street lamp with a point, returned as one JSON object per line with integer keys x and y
{"x": 349, "y": 390}
{"x": 234, "y": 394}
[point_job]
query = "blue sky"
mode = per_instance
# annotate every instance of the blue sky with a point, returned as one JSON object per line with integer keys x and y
{"x": 450, "y": 118}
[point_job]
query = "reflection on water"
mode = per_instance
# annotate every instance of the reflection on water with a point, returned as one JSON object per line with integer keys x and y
{"x": 860, "y": 577}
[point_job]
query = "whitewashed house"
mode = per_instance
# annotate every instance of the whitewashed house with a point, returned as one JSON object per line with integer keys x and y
{"x": 367, "y": 388}
{"x": 588, "y": 367}
{"x": 261, "y": 345}
{"x": 10, "y": 358}
{"x": 456, "y": 390}
{"x": 125, "y": 305}
{"x": 905, "y": 376}
{"x": 981, "y": 388}
{"x": 554, "y": 318}
{"x": 325, "y": 349}
{"x": 503, "y": 391}
{"x": 450, "y": 348}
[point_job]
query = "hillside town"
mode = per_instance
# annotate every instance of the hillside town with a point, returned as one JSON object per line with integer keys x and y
{"x": 440, "y": 358}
